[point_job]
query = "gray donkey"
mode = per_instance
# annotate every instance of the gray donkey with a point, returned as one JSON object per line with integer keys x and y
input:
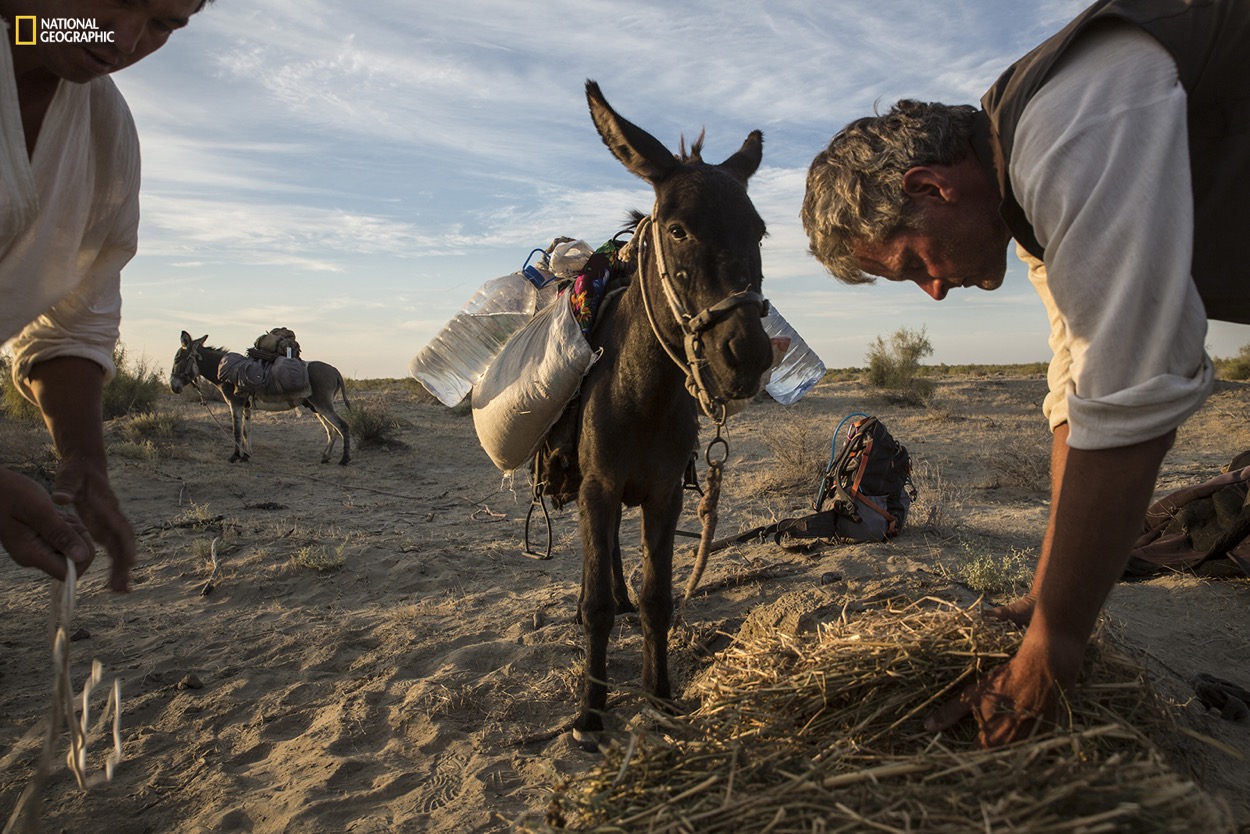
{"x": 194, "y": 361}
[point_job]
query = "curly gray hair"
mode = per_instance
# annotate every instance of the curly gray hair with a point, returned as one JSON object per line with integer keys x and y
{"x": 855, "y": 186}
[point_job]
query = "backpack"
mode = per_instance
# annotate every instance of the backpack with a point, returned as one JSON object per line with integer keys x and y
{"x": 868, "y": 481}
{"x": 867, "y": 486}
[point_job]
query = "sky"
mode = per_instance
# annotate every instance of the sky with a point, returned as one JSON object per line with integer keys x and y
{"x": 355, "y": 171}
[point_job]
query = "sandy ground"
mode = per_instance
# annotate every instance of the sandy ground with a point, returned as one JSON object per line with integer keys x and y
{"x": 376, "y": 653}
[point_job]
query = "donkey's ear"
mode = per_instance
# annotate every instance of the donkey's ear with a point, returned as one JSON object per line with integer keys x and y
{"x": 743, "y": 163}
{"x": 186, "y": 339}
{"x": 200, "y": 341}
{"x": 637, "y": 150}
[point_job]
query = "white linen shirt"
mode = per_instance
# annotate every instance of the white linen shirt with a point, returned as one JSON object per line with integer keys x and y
{"x": 1101, "y": 169}
{"x": 69, "y": 221}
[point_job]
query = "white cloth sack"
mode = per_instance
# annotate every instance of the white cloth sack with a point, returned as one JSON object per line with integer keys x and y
{"x": 525, "y": 390}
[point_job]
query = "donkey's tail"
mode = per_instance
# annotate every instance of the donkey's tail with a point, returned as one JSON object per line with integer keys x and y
{"x": 342, "y": 389}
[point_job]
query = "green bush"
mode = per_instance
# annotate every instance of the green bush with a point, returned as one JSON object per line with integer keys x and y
{"x": 1236, "y": 368}
{"x": 134, "y": 390}
{"x": 894, "y": 366}
{"x": 988, "y": 572}
{"x": 12, "y": 403}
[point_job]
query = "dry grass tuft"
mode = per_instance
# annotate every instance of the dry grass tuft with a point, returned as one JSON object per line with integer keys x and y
{"x": 799, "y": 454}
{"x": 823, "y": 733}
{"x": 1022, "y": 460}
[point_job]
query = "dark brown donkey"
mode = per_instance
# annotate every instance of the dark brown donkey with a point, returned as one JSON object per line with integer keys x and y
{"x": 194, "y": 362}
{"x": 685, "y": 335}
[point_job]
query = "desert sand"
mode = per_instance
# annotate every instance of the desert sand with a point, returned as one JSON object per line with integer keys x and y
{"x": 377, "y": 654}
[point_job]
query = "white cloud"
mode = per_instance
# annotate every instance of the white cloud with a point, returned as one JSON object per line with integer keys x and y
{"x": 386, "y": 158}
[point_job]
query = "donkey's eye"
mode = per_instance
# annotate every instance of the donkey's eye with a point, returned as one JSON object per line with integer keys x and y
{"x": 677, "y": 232}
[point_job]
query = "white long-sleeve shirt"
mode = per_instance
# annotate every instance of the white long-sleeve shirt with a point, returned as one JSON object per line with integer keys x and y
{"x": 69, "y": 221}
{"x": 1101, "y": 169}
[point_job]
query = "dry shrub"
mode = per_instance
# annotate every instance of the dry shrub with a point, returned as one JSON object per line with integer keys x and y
{"x": 894, "y": 367}
{"x": 1021, "y": 459}
{"x": 799, "y": 454}
{"x": 320, "y": 559}
{"x": 372, "y": 424}
{"x": 939, "y": 501}
{"x": 823, "y": 733}
{"x": 155, "y": 426}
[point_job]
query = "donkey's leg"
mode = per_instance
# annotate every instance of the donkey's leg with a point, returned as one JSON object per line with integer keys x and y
{"x": 620, "y": 589}
{"x": 332, "y": 423}
{"x": 659, "y": 527}
{"x": 247, "y": 431}
{"x": 614, "y": 524}
{"x": 598, "y": 508}
{"x": 330, "y": 437}
{"x": 236, "y": 423}
{"x": 341, "y": 425}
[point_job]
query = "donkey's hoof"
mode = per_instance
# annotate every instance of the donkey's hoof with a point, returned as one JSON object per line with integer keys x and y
{"x": 344, "y": 461}
{"x": 589, "y": 740}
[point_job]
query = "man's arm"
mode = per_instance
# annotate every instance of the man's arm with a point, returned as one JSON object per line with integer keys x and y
{"x": 1099, "y": 502}
{"x": 68, "y": 391}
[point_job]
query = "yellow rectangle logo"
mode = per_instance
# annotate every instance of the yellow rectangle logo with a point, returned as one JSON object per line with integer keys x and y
{"x": 32, "y": 25}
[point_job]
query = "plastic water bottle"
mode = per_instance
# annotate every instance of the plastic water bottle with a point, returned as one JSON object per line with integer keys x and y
{"x": 456, "y": 358}
{"x": 799, "y": 370}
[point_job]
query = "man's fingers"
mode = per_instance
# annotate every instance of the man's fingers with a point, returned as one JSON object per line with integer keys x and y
{"x": 71, "y": 539}
{"x": 949, "y": 714}
{"x": 46, "y": 541}
{"x": 120, "y": 544}
{"x": 99, "y": 510}
{"x": 1018, "y": 611}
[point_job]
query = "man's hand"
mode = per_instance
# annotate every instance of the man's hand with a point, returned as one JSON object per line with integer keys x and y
{"x": 68, "y": 390}
{"x": 1015, "y": 700}
{"x": 85, "y": 485}
{"x": 1018, "y": 611}
{"x": 36, "y": 533}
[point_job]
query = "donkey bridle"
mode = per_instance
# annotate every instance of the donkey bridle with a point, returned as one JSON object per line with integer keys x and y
{"x": 192, "y": 366}
{"x": 694, "y": 365}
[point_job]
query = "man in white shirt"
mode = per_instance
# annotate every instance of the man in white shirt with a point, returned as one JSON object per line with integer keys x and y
{"x": 1087, "y": 153}
{"x": 69, "y": 183}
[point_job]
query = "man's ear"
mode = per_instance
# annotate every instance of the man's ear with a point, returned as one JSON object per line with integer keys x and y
{"x": 930, "y": 182}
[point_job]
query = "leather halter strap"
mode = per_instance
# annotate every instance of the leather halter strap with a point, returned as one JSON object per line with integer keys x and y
{"x": 694, "y": 364}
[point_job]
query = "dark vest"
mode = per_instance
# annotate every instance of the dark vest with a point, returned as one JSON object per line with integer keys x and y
{"x": 1210, "y": 42}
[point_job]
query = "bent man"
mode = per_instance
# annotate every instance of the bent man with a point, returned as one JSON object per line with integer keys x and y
{"x": 69, "y": 218}
{"x": 1116, "y": 155}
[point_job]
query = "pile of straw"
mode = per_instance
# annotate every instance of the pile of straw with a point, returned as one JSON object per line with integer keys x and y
{"x": 822, "y": 733}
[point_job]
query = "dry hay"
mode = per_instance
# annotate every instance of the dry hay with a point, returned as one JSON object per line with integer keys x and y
{"x": 822, "y": 733}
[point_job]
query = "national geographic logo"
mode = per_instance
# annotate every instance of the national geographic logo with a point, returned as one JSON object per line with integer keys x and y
{"x": 29, "y": 30}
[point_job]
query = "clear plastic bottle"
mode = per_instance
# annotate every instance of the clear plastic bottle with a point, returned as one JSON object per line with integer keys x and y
{"x": 457, "y": 357}
{"x": 799, "y": 370}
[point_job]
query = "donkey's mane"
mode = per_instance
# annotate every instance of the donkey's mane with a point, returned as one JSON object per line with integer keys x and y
{"x": 696, "y": 149}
